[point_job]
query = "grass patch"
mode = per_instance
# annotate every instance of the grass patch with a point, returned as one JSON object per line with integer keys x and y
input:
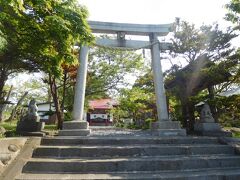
{"x": 10, "y": 128}
{"x": 50, "y": 127}
{"x": 236, "y": 134}
{"x": 235, "y": 131}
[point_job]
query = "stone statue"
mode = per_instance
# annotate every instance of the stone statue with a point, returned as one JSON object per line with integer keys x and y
{"x": 31, "y": 121}
{"x": 207, "y": 126}
{"x": 32, "y": 108}
{"x": 206, "y": 115}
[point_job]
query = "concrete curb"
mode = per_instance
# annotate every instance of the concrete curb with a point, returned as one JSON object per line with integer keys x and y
{"x": 15, "y": 168}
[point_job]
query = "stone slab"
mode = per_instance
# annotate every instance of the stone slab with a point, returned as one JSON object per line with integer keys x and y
{"x": 166, "y": 125}
{"x": 169, "y": 132}
{"x": 207, "y": 127}
{"x": 64, "y": 140}
{"x": 129, "y": 164}
{"x": 203, "y": 174}
{"x": 74, "y": 132}
{"x": 75, "y": 125}
{"x": 216, "y": 133}
{"x": 129, "y": 151}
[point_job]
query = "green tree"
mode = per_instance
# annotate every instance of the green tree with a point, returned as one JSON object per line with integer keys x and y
{"x": 106, "y": 75}
{"x": 233, "y": 15}
{"x": 108, "y": 68}
{"x": 205, "y": 51}
{"x": 40, "y": 35}
{"x": 135, "y": 104}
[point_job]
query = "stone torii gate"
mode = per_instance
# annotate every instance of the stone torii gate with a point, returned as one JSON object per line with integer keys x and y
{"x": 164, "y": 126}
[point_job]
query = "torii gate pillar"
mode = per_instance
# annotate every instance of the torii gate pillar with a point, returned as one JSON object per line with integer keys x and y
{"x": 80, "y": 87}
{"x": 78, "y": 127}
{"x": 162, "y": 111}
{"x": 164, "y": 126}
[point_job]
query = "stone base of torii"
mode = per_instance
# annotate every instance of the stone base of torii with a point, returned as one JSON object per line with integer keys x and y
{"x": 164, "y": 126}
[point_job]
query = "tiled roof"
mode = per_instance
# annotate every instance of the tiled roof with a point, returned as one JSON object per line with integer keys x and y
{"x": 102, "y": 104}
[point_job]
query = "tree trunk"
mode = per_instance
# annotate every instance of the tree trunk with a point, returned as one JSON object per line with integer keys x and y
{"x": 3, "y": 106}
{"x": 188, "y": 118}
{"x": 64, "y": 90}
{"x": 54, "y": 91}
{"x": 184, "y": 115}
{"x": 3, "y": 79}
{"x": 212, "y": 106}
{"x": 15, "y": 108}
{"x": 191, "y": 116}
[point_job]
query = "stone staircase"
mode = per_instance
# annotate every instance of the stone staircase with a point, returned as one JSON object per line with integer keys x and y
{"x": 131, "y": 157}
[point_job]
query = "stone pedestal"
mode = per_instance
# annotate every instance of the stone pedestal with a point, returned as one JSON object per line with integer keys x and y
{"x": 207, "y": 126}
{"x": 210, "y": 129}
{"x": 167, "y": 128}
{"x": 75, "y": 128}
{"x": 31, "y": 126}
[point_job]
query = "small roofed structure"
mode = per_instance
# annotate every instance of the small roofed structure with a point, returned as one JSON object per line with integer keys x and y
{"x": 99, "y": 112}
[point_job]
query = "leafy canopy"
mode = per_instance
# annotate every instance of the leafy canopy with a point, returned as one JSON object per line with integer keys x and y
{"x": 42, "y": 33}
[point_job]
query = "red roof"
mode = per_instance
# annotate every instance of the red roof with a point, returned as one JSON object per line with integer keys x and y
{"x": 102, "y": 104}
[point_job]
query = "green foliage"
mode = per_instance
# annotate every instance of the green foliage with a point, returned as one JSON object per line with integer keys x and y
{"x": 207, "y": 52}
{"x": 107, "y": 70}
{"x": 40, "y": 36}
{"x": 228, "y": 110}
{"x": 191, "y": 43}
{"x": 135, "y": 104}
{"x": 233, "y": 11}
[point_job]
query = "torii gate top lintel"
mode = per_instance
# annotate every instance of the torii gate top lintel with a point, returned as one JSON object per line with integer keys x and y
{"x": 131, "y": 29}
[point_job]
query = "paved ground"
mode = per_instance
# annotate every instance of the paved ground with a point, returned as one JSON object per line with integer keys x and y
{"x": 113, "y": 131}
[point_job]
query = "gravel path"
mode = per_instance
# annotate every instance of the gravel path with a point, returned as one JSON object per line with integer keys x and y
{"x": 113, "y": 131}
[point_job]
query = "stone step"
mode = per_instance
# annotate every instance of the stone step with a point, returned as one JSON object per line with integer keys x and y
{"x": 58, "y": 141}
{"x": 74, "y": 132}
{"x": 38, "y": 165}
{"x": 104, "y": 128}
{"x": 201, "y": 174}
{"x": 140, "y": 150}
